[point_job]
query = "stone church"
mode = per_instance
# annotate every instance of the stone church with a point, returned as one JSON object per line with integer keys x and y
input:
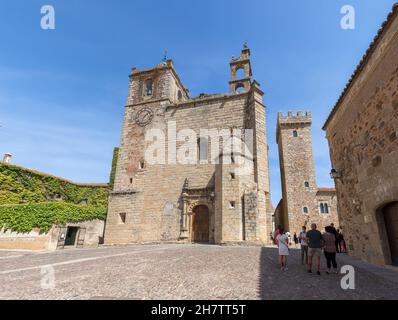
{"x": 209, "y": 199}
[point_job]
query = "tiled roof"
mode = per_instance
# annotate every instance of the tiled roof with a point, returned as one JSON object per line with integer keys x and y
{"x": 327, "y": 189}
{"x": 364, "y": 60}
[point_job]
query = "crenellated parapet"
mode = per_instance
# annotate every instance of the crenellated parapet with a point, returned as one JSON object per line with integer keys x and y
{"x": 292, "y": 120}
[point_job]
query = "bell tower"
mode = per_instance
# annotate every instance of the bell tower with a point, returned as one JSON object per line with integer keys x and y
{"x": 240, "y": 83}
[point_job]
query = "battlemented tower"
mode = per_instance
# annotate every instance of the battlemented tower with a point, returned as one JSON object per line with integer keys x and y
{"x": 302, "y": 201}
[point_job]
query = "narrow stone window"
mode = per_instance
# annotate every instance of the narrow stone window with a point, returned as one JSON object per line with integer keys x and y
{"x": 305, "y": 210}
{"x": 203, "y": 149}
{"x": 141, "y": 165}
{"x": 232, "y": 204}
{"x": 232, "y": 158}
{"x": 148, "y": 87}
{"x": 295, "y": 134}
{"x": 232, "y": 174}
{"x": 306, "y": 184}
{"x": 239, "y": 88}
{"x": 324, "y": 208}
{"x": 131, "y": 180}
{"x": 179, "y": 95}
{"x": 122, "y": 218}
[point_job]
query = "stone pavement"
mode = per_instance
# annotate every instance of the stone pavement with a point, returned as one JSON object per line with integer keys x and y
{"x": 175, "y": 271}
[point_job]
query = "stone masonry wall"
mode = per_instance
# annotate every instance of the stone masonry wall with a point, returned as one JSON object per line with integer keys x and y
{"x": 363, "y": 141}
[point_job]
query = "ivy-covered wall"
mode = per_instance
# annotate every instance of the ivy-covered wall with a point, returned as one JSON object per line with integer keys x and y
{"x": 22, "y": 186}
{"x": 31, "y": 199}
{"x": 114, "y": 163}
{"x": 25, "y": 217}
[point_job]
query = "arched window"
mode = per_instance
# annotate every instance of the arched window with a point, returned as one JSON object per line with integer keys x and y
{"x": 239, "y": 88}
{"x": 322, "y": 208}
{"x": 148, "y": 87}
{"x": 306, "y": 184}
{"x": 203, "y": 149}
{"x": 240, "y": 73}
{"x": 326, "y": 208}
{"x": 305, "y": 210}
{"x": 295, "y": 134}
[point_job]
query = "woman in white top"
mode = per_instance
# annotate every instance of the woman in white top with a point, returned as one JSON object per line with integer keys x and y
{"x": 283, "y": 247}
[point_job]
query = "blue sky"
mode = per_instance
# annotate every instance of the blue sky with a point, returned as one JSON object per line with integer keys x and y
{"x": 62, "y": 91}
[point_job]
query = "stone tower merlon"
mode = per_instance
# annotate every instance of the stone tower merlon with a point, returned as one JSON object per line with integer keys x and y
{"x": 292, "y": 121}
{"x": 236, "y": 64}
{"x": 158, "y": 83}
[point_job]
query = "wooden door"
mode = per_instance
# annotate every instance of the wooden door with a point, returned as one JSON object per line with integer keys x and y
{"x": 200, "y": 225}
{"x": 391, "y": 220}
{"x": 80, "y": 238}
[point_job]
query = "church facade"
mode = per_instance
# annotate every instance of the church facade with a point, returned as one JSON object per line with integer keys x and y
{"x": 191, "y": 169}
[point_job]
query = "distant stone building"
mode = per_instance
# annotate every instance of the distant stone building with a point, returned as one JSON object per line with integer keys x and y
{"x": 203, "y": 200}
{"x": 302, "y": 201}
{"x": 362, "y": 131}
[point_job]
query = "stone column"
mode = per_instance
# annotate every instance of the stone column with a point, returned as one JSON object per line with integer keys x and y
{"x": 184, "y": 227}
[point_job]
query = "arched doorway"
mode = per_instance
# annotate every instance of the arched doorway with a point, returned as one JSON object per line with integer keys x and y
{"x": 200, "y": 224}
{"x": 390, "y": 214}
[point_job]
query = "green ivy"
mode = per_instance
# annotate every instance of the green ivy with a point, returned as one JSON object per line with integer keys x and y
{"x": 24, "y": 218}
{"x": 114, "y": 163}
{"x": 22, "y": 186}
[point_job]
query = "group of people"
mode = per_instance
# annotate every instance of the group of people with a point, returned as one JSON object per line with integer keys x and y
{"x": 312, "y": 243}
{"x": 340, "y": 243}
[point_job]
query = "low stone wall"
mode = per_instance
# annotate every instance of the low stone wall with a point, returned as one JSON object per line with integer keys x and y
{"x": 28, "y": 241}
{"x": 48, "y": 241}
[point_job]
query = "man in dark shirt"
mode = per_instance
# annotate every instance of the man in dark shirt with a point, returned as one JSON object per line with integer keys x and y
{"x": 315, "y": 243}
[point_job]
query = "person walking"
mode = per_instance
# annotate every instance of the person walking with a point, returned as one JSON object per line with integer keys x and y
{"x": 315, "y": 242}
{"x": 336, "y": 234}
{"x": 289, "y": 237}
{"x": 342, "y": 243}
{"x": 295, "y": 239}
{"x": 329, "y": 249}
{"x": 303, "y": 245}
{"x": 276, "y": 233}
{"x": 283, "y": 248}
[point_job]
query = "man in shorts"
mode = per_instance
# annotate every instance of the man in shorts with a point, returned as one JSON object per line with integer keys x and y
{"x": 315, "y": 243}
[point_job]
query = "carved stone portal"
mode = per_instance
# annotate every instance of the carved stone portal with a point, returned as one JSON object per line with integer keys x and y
{"x": 193, "y": 198}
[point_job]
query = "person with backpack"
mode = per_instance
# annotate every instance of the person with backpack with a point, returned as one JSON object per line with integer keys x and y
{"x": 336, "y": 234}
{"x": 329, "y": 249}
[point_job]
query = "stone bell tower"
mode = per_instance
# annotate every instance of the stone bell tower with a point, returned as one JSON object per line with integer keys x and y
{"x": 150, "y": 92}
{"x": 241, "y": 63}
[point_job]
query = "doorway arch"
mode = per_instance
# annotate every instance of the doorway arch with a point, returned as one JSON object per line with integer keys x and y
{"x": 200, "y": 224}
{"x": 390, "y": 216}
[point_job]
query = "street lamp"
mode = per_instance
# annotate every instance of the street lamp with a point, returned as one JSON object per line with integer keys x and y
{"x": 334, "y": 174}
